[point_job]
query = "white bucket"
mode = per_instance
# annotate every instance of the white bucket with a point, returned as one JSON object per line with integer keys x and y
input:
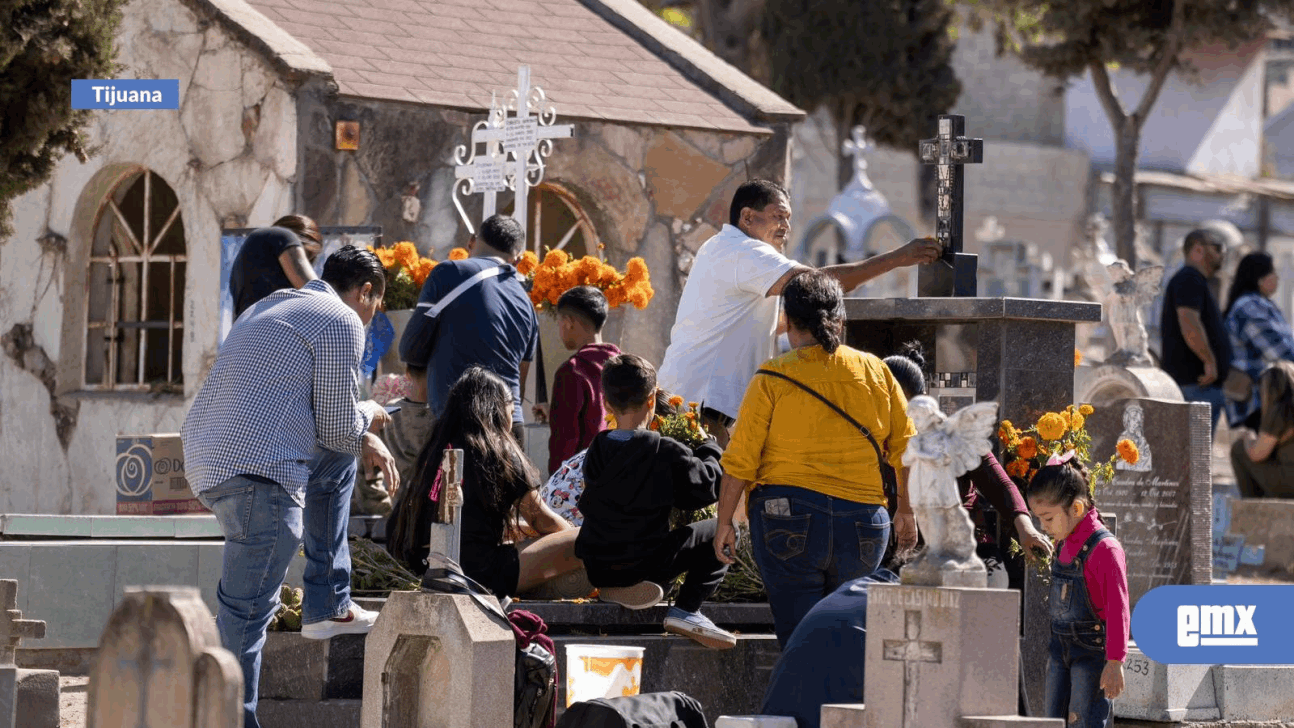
{"x": 602, "y": 671}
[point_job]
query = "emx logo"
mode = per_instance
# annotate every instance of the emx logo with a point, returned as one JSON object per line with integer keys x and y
{"x": 1215, "y": 624}
{"x": 1212, "y": 625}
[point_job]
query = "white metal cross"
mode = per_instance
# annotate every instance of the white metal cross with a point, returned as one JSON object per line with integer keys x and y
{"x": 527, "y": 138}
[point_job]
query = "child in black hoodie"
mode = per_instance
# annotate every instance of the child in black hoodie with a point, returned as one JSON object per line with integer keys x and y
{"x": 632, "y": 478}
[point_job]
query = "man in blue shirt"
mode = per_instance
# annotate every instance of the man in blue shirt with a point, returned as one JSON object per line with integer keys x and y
{"x": 1196, "y": 345}
{"x": 475, "y": 312}
{"x": 285, "y": 386}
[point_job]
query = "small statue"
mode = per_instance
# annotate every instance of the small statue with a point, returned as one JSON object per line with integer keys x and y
{"x": 943, "y": 449}
{"x": 1126, "y": 294}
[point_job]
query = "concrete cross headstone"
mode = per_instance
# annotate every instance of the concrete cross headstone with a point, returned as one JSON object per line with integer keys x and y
{"x": 160, "y": 663}
{"x": 954, "y": 273}
{"x": 13, "y": 628}
{"x": 911, "y": 651}
{"x": 516, "y": 146}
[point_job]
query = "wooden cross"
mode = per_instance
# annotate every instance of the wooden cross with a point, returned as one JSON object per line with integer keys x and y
{"x": 911, "y": 652}
{"x": 950, "y": 151}
{"x": 13, "y": 628}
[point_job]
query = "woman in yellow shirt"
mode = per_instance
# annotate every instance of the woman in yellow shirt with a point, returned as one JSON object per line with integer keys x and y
{"x": 817, "y": 507}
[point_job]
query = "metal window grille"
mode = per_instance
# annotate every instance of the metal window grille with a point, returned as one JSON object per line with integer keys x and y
{"x": 134, "y": 307}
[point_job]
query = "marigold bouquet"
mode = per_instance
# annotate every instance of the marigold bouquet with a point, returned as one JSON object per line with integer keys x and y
{"x": 684, "y": 425}
{"x": 406, "y": 271}
{"x": 558, "y": 273}
{"x": 1055, "y": 433}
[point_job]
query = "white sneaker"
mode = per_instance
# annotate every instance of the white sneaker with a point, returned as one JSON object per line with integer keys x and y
{"x": 357, "y": 621}
{"x": 643, "y": 595}
{"x": 699, "y": 628}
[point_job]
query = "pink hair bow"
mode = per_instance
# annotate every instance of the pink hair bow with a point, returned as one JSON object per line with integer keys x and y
{"x": 1060, "y": 459}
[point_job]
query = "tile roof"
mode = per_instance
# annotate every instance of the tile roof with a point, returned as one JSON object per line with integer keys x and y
{"x": 587, "y": 58}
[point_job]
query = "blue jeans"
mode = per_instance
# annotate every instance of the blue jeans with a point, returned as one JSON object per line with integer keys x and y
{"x": 1212, "y": 394}
{"x": 806, "y": 544}
{"x": 262, "y": 527}
{"x": 326, "y": 588}
{"x": 1074, "y": 685}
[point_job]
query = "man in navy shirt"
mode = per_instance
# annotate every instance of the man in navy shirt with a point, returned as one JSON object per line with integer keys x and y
{"x": 1196, "y": 346}
{"x": 475, "y": 312}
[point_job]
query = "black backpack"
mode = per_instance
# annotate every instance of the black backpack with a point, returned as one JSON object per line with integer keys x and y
{"x": 535, "y": 679}
{"x": 653, "y": 710}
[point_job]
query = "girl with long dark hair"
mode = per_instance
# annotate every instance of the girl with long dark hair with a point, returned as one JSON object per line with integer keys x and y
{"x": 499, "y": 488}
{"x": 1259, "y": 334}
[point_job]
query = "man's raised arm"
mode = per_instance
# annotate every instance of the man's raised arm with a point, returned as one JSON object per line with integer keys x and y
{"x": 853, "y": 275}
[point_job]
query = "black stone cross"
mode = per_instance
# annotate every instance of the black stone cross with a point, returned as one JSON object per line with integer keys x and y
{"x": 911, "y": 651}
{"x": 953, "y": 274}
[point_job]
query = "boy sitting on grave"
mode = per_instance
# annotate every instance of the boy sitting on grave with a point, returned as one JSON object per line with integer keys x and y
{"x": 577, "y": 409}
{"x": 632, "y": 478}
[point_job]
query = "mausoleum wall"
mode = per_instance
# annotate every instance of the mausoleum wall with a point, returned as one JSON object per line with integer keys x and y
{"x": 229, "y": 155}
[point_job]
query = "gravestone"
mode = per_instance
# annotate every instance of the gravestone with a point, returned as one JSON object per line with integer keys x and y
{"x": 32, "y": 694}
{"x": 953, "y": 274}
{"x": 160, "y": 663}
{"x": 437, "y": 661}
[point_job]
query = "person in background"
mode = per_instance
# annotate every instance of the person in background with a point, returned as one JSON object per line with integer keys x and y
{"x": 499, "y": 485}
{"x": 1259, "y": 336}
{"x": 487, "y": 319}
{"x": 1264, "y": 463}
{"x": 577, "y": 412}
{"x": 727, "y": 321}
{"x": 284, "y": 385}
{"x": 1196, "y": 345}
{"x": 986, "y": 486}
{"x": 817, "y": 510}
{"x": 633, "y": 478}
{"x": 1088, "y": 603}
{"x": 274, "y": 258}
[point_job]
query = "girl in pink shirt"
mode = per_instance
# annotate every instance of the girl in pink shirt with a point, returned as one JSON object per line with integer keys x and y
{"x": 1088, "y": 600}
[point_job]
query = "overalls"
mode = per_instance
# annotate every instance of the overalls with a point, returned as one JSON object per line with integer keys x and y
{"x": 1077, "y": 653}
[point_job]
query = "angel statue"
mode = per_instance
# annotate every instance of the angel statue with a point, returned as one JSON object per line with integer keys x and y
{"x": 1126, "y": 293}
{"x": 944, "y": 448}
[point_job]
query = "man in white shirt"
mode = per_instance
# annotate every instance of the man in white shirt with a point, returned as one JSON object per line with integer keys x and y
{"x": 728, "y": 314}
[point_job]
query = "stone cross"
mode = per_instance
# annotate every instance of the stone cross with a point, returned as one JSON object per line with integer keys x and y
{"x": 527, "y": 138}
{"x": 13, "y": 628}
{"x": 954, "y": 273}
{"x": 911, "y": 651}
{"x": 160, "y": 662}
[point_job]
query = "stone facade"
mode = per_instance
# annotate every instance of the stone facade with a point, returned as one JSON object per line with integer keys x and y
{"x": 228, "y": 153}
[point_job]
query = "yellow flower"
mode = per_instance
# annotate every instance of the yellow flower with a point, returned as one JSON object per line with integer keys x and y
{"x": 693, "y": 405}
{"x": 1078, "y": 357}
{"x": 611, "y": 419}
{"x": 1028, "y": 447}
{"x": 1051, "y": 426}
{"x": 458, "y": 254}
{"x": 1066, "y": 418}
{"x": 1086, "y": 410}
{"x": 1076, "y": 421}
{"x": 1128, "y": 451}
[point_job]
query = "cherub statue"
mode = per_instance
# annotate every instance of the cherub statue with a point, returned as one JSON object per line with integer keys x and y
{"x": 943, "y": 449}
{"x": 1126, "y": 293}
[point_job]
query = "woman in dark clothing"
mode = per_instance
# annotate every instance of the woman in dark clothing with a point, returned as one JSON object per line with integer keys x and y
{"x": 984, "y": 489}
{"x": 499, "y": 484}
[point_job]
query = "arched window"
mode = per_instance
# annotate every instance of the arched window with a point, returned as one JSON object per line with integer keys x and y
{"x": 556, "y": 221}
{"x": 134, "y": 331}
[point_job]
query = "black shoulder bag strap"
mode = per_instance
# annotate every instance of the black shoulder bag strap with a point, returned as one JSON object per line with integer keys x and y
{"x": 888, "y": 477}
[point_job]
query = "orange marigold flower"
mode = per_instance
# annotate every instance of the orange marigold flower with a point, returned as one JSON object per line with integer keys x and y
{"x": 1076, "y": 421}
{"x": 640, "y": 298}
{"x": 1128, "y": 451}
{"x": 1078, "y": 357}
{"x": 693, "y": 405}
{"x": 406, "y": 254}
{"x": 1018, "y": 468}
{"x": 675, "y": 401}
{"x": 422, "y": 270}
{"x": 1028, "y": 447}
{"x": 608, "y": 276}
{"x": 1052, "y": 426}
{"x": 528, "y": 263}
{"x": 1086, "y": 410}
{"x": 636, "y": 270}
{"x": 556, "y": 258}
{"x": 458, "y": 254}
{"x": 655, "y": 423}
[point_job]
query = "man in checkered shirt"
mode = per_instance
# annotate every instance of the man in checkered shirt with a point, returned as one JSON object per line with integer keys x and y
{"x": 284, "y": 388}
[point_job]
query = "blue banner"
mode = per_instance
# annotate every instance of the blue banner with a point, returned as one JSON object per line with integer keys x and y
{"x": 1213, "y": 624}
{"x": 125, "y": 93}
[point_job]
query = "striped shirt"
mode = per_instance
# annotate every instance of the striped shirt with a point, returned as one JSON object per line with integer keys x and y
{"x": 286, "y": 382}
